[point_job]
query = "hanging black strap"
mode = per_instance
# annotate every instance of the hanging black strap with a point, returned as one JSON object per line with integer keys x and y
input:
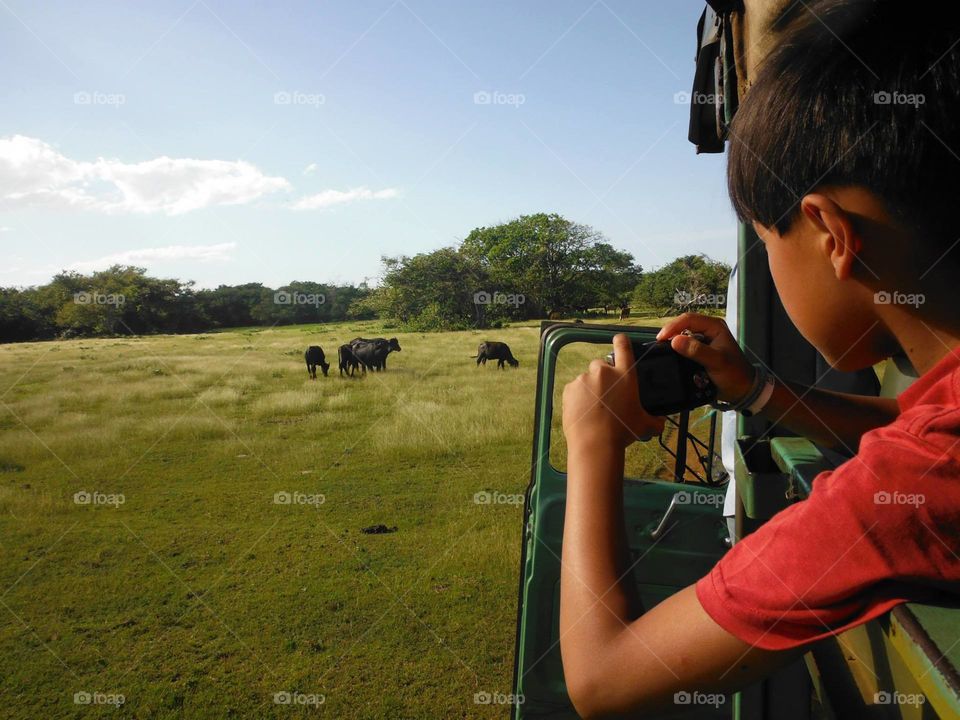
{"x": 714, "y": 94}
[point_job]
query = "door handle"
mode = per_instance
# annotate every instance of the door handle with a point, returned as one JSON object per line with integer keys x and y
{"x": 662, "y": 529}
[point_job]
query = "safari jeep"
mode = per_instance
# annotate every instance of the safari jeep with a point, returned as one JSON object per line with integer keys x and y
{"x": 673, "y": 512}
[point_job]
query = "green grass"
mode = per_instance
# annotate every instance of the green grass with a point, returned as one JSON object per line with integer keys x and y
{"x": 200, "y": 596}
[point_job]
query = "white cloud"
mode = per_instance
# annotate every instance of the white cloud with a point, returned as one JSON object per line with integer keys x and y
{"x": 33, "y": 172}
{"x": 310, "y": 169}
{"x": 329, "y": 198}
{"x": 151, "y": 256}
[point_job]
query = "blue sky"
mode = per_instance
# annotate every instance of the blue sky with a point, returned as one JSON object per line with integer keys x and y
{"x": 229, "y": 142}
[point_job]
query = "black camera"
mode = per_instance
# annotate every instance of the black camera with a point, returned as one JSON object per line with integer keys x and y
{"x": 669, "y": 383}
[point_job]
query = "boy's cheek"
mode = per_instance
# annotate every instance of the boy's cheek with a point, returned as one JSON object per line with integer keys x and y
{"x": 834, "y": 319}
{"x": 838, "y": 317}
{"x": 796, "y": 291}
{"x": 871, "y": 346}
{"x": 815, "y": 301}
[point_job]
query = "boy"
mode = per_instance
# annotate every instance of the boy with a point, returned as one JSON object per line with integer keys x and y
{"x": 840, "y": 156}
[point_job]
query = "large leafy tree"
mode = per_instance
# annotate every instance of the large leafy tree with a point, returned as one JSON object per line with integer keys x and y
{"x": 120, "y": 300}
{"x": 608, "y": 277}
{"x": 431, "y": 291}
{"x": 25, "y": 315}
{"x": 555, "y": 263}
{"x": 534, "y": 254}
{"x": 689, "y": 282}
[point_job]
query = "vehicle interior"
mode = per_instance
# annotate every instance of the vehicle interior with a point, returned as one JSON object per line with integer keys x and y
{"x": 915, "y": 649}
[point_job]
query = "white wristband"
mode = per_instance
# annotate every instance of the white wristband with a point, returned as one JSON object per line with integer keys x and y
{"x": 763, "y": 398}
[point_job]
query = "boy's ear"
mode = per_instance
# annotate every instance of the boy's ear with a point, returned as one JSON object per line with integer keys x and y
{"x": 836, "y": 233}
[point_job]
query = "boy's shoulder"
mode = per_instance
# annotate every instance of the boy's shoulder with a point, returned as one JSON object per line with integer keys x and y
{"x": 918, "y": 453}
{"x": 929, "y": 410}
{"x": 874, "y": 532}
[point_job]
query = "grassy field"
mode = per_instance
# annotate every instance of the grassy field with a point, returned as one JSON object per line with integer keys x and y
{"x": 186, "y": 587}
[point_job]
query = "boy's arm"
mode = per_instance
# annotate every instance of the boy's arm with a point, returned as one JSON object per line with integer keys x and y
{"x": 836, "y": 420}
{"x": 615, "y": 663}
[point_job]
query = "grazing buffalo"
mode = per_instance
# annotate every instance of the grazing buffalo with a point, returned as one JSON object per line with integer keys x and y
{"x": 347, "y": 360}
{"x": 314, "y": 356}
{"x": 495, "y": 351}
{"x": 372, "y": 354}
{"x": 392, "y": 342}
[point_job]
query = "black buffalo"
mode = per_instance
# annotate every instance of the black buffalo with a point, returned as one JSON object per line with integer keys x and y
{"x": 314, "y": 356}
{"x": 372, "y": 352}
{"x": 498, "y": 351}
{"x": 347, "y": 360}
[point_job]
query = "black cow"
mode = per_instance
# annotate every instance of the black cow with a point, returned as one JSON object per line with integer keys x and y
{"x": 498, "y": 351}
{"x": 314, "y": 356}
{"x": 392, "y": 342}
{"x": 347, "y": 360}
{"x": 372, "y": 352}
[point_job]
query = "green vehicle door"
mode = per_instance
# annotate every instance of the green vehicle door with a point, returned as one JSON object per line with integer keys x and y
{"x": 675, "y": 530}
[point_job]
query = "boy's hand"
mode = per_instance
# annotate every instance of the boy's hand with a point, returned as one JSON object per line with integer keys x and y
{"x": 723, "y": 359}
{"x": 603, "y": 404}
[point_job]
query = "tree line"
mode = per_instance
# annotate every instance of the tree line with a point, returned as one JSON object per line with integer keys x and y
{"x": 534, "y": 266}
{"x": 124, "y": 300}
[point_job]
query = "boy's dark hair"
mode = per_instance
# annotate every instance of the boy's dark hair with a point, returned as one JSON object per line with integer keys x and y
{"x": 859, "y": 92}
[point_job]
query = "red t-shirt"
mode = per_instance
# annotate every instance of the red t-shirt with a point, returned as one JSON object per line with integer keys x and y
{"x": 879, "y": 530}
